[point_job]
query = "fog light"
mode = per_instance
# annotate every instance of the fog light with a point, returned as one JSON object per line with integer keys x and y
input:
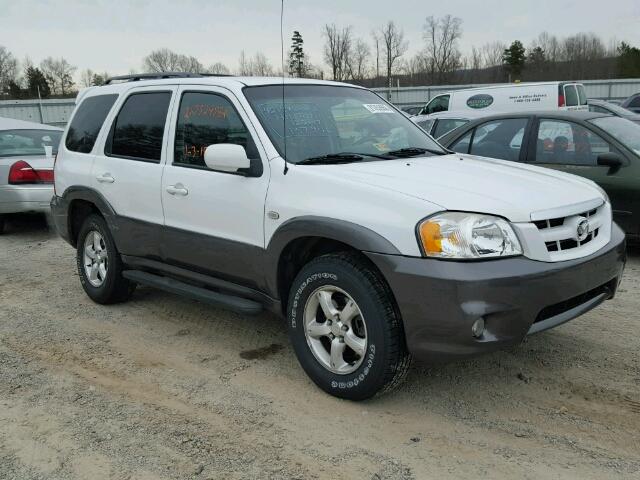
{"x": 478, "y": 328}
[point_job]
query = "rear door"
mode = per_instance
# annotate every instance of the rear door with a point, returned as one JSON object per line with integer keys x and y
{"x": 214, "y": 220}
{"x": 575, "y": 97}
{"x": 128, "y": 171}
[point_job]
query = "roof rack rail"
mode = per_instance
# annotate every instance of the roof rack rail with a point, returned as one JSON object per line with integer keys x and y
{"x": 136, "y": 77}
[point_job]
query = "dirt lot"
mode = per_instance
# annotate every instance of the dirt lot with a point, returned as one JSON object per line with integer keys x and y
{"x": 164, "y": 387}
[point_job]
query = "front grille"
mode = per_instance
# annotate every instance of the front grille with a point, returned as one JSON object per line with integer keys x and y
{"x": 559, "y": 239}
{"x": 566, "y": 305}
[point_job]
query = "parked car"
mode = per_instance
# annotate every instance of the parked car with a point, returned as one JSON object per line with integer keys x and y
{"x": 439, "y": 124}
{"x": 411, "y": 110}
{"x": 513, "y": 97}
{"x": 602, "y": 106}
{"x": 329, "y": 207}
{"x": 27, "y": 150}
{"x": 632, "y": 103}
{"x": 600, "y": 147}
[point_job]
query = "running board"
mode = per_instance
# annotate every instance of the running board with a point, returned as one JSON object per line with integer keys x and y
{"x": 237, "y": 304}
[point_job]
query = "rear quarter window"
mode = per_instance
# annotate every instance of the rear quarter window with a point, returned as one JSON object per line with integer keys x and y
{"x": 87, "y": 121}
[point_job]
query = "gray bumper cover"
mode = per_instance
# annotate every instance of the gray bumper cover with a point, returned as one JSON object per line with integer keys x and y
{"x": 440, "y": 300}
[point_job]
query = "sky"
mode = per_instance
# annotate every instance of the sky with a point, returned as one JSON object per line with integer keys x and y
{"x": 115, "y": 35}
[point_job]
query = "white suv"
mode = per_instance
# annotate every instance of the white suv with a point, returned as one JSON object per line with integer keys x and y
{"x": 325, "y": 204}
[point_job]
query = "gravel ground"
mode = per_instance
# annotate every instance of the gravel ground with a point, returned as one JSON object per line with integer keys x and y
{"x": 163, "y": 387}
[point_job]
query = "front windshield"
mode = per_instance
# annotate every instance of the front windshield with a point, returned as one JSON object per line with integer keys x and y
{"x": 625, "y": 131}
{"x": 326, "y": 120}
{"x": 28, "y": 142}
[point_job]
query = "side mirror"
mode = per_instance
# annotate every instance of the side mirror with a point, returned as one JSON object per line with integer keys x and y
{"x": 612, "y": 160}
{"x": 226, "y": 157}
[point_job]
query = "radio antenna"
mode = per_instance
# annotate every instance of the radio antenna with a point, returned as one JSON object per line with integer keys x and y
{"x": 284, "y": 109}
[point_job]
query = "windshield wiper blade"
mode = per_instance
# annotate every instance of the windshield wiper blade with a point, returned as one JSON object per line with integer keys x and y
{"x": 414, "y": 151}
{"x": 331, "y": 158}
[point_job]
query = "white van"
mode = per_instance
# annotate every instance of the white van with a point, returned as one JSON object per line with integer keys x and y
{"x": 511, "y": 98}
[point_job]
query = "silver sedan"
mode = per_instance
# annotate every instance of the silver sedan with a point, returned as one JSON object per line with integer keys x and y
{"x": 27, "y": 152}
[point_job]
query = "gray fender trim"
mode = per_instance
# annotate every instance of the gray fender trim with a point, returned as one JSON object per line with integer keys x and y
{"x": 352, "y": 234}
{"x": 87, "y": 194}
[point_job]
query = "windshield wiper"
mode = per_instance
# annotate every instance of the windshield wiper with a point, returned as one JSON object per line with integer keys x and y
{"x": 342, "y": 157}
{"x": 414, "y": 151}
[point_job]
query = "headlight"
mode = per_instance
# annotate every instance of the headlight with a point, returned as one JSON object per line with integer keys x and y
{"x": 460, "y": 235}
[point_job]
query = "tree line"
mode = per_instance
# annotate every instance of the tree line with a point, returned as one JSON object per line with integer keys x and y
{"x": 379, "y": 59}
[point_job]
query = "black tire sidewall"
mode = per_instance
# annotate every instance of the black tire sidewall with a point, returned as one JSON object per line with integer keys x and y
{"x": 369, "y": 378}
{"x": 104, "y": 292}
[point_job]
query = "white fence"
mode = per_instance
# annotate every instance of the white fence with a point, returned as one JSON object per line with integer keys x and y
{"x": 602, "y": 89}
{"x": 57, "y": 112}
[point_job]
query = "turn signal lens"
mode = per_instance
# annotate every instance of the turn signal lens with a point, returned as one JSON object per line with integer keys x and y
{"x": 431, "y": 237}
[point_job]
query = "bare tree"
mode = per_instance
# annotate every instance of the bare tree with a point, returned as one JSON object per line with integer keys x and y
{"x": 337, "y": 48}
{"x": 492, "y": 53}
{"x": 59, "y": 74}
{"x": 245, "y": 68}
{"x": 8, "y": 68}
{"x": 441, "y": 37}
{"x": 218, "y": 68}
{"x": 358, "y": 60}
{"x": 162, "y": 60}
{"x": 258, "y": 65}
{"x": 394, "y": 46}
{"x": 86, "y": 78}
{"x": 475, "y": 60}
{"x": 261, "y": 65}
{"x": 376, "y": 43}
{"x": 165, "y": 60}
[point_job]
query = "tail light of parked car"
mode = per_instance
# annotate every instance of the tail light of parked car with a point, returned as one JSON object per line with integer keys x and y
{"x": 561, "y": 101}
{"x": 22, "y": 173}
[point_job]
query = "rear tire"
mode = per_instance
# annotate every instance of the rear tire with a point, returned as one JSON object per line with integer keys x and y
{"x": 340, "y": 301}
{"x": 2, "y": 221}
{"x": 99, "y": 264}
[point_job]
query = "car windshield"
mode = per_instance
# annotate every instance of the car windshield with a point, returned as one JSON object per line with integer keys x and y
{"x": 625, "y": 131}
{"x": 324, "y": 120}
{"x": 28, "y": 142}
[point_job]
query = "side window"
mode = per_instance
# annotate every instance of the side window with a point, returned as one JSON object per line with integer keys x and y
{"x": 571, "y": 96}
{"x": 138, "y": 130}
{"x": 426, "y": 125}
{"x": 597, "y": 109}
{"x": 567, "y": 143}
{"x": 87, "y": 121}
{"x": 445, "y": 125}
{"x": 500, "y": 139}
{"x": 635, "y": 102}
{"x": 206, "y": 119}
{"x": 462, "y": 144}
{"x": 438, "y": 104}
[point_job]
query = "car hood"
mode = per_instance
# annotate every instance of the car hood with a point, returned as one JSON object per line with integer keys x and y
{"x": 470, "y": 183}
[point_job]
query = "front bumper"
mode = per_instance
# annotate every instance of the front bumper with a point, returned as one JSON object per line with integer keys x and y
{"x": 440, "y": 300}
{"x": 25, "y": 198}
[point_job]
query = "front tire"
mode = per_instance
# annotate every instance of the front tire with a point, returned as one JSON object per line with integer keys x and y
{"x": 99, "y": 264}
{"x": 345, "y": 329}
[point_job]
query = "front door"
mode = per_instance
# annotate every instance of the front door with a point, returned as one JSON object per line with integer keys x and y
{"x": 214, "y": 221}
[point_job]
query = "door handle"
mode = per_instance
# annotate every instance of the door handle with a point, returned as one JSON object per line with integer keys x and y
{"x": 105, "y": 178}
{"x": 177, "y": 189}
